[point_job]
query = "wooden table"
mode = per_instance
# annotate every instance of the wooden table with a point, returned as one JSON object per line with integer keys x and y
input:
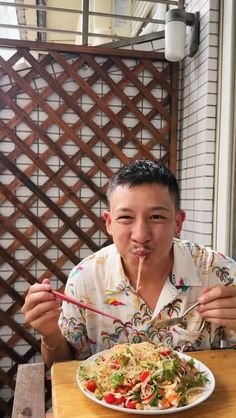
{"x": 70, "y": 402}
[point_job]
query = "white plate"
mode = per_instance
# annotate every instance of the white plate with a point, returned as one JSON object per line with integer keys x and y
{"x": 155, "y": 411}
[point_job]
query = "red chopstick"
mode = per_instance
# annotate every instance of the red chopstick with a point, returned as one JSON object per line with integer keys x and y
{"x": 70, "y": 299}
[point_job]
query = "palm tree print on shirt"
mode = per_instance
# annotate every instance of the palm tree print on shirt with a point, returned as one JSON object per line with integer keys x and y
{"x": 223, "y": 274}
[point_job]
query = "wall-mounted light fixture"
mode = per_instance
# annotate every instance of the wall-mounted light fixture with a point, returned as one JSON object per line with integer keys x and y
{"x": 175, "y": 29}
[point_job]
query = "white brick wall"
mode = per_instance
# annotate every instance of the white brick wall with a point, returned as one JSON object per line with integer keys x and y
{"x": 197, "y": 126}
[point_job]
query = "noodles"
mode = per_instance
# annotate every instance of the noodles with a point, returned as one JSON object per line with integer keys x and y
{"x": 142, "y": 376}
{"x": 140, "y": 265}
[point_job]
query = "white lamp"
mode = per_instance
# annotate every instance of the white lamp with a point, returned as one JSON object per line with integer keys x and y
{"x": 175, "y": 28}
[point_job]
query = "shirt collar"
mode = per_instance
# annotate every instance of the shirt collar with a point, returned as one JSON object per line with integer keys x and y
{"x": 184, "y": 276}
{"x": 184, "y": 269}
{"x": 115, "y": 278}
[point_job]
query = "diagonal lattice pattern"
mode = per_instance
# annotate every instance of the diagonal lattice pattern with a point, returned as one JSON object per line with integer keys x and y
{"x": 68, "y": 121}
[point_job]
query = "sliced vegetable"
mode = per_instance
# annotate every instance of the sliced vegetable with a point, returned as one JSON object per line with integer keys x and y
{"x": 144, "y": 375}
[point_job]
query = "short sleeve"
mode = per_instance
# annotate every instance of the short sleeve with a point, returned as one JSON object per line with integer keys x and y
{"x": 72, "y": 320}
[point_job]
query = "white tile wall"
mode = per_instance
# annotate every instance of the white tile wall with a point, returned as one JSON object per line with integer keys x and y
{"x": 197, "y": 132}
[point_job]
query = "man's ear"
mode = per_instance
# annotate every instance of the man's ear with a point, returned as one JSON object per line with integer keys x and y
{"x": 107, "y": 217}
{"x": 179, "y": 222}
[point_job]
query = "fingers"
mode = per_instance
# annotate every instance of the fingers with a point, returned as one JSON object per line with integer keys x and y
{"x": 219, "y": 301}
{"x": 40, "y": 322}
{"x": 40, "y": 302}
{"x": 206, "y": 290}
{"x": 46, "y": 281}
{"x": 37, "y": 293}
{"x": 216, "y": 293}
{"x": 224, "y": 322}
{"x": 39, "y": 310}
{"x": 217, "y": 312}
{"x": 218, "y": 306}
{"x": 42, "y": 313}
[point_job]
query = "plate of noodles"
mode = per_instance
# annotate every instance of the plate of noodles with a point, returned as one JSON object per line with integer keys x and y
{"x": 144, "y": 378}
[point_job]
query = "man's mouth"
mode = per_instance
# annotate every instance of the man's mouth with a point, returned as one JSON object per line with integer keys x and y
{"x": 142, "y": 252}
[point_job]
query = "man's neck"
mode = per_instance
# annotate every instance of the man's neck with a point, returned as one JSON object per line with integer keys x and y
{"x": 152, "y": 280}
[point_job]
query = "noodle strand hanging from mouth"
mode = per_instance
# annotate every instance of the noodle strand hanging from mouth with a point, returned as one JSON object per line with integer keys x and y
{"x": 141, "y": 260}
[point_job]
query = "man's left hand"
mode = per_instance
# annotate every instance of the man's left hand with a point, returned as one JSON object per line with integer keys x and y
{"x": 218, "y": 305}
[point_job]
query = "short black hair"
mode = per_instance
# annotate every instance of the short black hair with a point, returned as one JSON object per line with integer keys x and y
{"x": 145, "y": 172}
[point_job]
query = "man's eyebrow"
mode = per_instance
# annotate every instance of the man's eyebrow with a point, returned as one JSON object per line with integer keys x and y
{"x": 124, "y": 209}
{"x": 159, "y": 208}
{"x": 120, "y": 209}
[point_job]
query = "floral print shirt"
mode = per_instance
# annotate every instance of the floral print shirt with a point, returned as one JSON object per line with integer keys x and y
{"x": 99, "y": 280}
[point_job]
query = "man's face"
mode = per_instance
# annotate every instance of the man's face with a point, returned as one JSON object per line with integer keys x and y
{"x": 143, "y": 221}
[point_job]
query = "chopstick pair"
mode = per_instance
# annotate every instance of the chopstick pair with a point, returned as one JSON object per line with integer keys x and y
{"x": 70, "y": 299}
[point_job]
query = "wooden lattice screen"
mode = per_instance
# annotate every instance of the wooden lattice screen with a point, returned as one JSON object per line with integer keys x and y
{"x": 69, "y": 117}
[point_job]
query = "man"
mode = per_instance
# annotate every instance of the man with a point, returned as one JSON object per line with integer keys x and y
{"x": 146, "y": 273}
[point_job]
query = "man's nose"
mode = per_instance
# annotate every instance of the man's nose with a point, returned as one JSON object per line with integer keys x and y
{"x": 141, "y": 231}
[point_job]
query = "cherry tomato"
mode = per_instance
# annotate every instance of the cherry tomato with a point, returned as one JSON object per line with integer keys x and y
{"x": 109, "y": 398}
{"x": 91, "y": 385}
{"x": 131, "y": 404}
{"x": 120, "y": 400}
{"x": 122, "y": 389}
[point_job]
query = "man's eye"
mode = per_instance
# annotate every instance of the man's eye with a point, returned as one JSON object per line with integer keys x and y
{"x": 125, "y": 219}
{"x": 157, "y": 217}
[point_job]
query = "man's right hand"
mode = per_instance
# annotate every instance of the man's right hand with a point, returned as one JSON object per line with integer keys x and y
{"x": 41, "y": 309}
